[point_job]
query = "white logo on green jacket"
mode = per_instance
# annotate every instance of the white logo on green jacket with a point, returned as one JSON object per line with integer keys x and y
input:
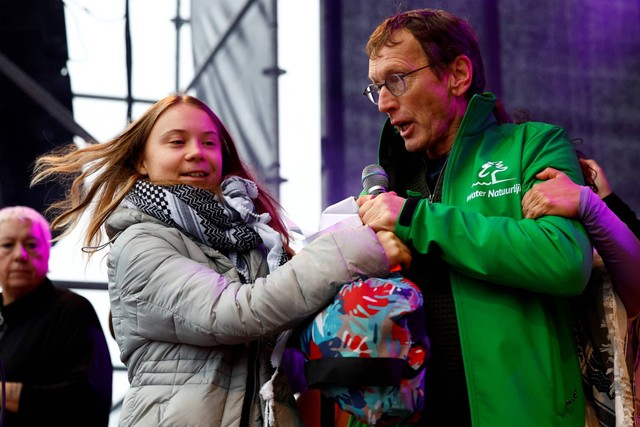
{"x": 488, "y": 177}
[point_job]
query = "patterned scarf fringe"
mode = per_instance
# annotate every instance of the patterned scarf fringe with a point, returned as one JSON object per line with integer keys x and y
{"x": 603, "y": 359}
{"x": 615, "y": 319}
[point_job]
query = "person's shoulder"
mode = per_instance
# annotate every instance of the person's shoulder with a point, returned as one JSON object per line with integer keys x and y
{"x": 67, "y": 299}
{"x": 130, "y": 220}
{"x": 145, "y": 246}
{"x": 69, "y": 311}
{"x": 533, "y": 132}
{"x": 150, "y": 235}
{"x": 533, "y": 126}
{"x": 138, "y": 230}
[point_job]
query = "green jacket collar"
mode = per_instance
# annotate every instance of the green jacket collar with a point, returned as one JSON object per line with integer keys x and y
{"x": 407, "y": 170}
{"x": 477, "y": 118}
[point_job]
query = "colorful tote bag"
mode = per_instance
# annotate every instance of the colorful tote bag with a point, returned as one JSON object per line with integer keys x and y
{"x": 367, "y": 350}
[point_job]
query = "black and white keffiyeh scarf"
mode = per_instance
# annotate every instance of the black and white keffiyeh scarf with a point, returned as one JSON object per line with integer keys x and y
{"x": 228, "y": 223}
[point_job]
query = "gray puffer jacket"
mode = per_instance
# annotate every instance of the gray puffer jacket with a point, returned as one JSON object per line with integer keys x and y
{"x": 194, "y": 338}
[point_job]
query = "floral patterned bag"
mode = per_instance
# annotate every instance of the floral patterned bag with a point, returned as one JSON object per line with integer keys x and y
{"x": 367, "y": 350}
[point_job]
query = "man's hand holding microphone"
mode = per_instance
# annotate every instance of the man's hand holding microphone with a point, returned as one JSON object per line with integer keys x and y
{"x": 379, "y": 210}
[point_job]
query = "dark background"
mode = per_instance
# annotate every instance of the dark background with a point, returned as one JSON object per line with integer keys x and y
{"x": 572, "y": 63}
{"x": 33, "y": 37}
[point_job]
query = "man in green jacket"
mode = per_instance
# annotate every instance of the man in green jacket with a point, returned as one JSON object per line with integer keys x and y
{"x": 497, "y": 286}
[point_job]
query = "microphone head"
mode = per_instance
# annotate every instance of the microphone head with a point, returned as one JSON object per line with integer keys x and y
{"x": 374, "y": 179}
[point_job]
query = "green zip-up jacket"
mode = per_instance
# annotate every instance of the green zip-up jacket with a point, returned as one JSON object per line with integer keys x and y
{"x": 511, "y": 277}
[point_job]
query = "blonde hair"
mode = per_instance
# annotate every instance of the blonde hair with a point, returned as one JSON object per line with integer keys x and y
{"x": 100, "y": 175}
{"x": 24, "y": 214}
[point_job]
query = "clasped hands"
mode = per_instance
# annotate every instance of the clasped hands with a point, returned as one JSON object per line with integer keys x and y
{"x": 380, "y": 213}
{"x": 558, "y": 195}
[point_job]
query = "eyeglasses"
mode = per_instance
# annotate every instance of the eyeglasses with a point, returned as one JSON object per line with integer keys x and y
{"x": 396, "y": 84}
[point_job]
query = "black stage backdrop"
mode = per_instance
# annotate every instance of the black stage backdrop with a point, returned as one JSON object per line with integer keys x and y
{"x": 572, "y": 63}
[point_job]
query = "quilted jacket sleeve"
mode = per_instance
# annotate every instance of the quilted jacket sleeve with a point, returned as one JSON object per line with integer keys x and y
{"x": 163, "y": 287}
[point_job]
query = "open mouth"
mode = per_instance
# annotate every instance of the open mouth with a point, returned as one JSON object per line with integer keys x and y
{"x": 195, "y": 174}
{"x": 403, "y": 127}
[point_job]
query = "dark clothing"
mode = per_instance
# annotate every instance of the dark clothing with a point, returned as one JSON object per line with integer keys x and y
{"x": 445, "y": 382}
{"x": 52, "y": 342}
{"x": 624, "y": 212}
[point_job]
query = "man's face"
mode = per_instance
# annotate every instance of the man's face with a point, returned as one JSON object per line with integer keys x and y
{"x": 426, "y": 115}
{"x": 24, "y": 258}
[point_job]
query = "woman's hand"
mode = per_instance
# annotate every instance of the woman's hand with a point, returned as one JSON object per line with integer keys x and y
{"x": 558, "y": 195}
{"x": 397, "y": 252}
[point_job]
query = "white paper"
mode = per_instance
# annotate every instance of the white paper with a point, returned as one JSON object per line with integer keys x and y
{"x": 339, "y": 215}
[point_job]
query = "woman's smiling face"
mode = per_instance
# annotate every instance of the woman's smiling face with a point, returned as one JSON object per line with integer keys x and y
{"x": 183, "y": 147}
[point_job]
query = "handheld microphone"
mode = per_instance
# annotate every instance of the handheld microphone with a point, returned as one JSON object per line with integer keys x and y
{"x": 374, "y": 180}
